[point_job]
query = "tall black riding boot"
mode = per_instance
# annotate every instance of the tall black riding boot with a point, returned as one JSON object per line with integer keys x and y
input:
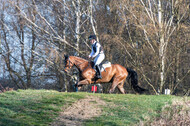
{"x": 98, "y": 73}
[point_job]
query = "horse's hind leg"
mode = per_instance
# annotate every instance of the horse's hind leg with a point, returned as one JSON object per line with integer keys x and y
{"x": 119, "y": 82}
{"x": 120, "y": 86}
{"x": 113, "y": 87}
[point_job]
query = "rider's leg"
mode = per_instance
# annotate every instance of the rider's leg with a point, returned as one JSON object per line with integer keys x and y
{"x": 98, "y": 72}
{"x": 97, "y": 61}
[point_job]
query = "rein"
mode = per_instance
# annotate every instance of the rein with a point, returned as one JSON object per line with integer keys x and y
{"x": 86, "y": 67}
{"x": 78, "y": 65}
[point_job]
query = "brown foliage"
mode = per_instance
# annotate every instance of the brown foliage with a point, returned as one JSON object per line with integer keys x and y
{"x": 2, "y": 89}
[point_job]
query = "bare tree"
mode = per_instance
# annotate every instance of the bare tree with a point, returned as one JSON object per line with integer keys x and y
{"x": 156, "y": 24}
{"x": 150, "y": 36}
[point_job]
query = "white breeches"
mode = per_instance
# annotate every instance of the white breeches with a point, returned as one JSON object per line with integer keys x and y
{"x": 99, "y": 58}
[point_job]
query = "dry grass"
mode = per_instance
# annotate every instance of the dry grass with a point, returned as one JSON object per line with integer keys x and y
{"x": 177, "y": 114}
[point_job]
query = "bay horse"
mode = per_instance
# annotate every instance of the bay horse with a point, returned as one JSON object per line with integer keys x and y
{"x": 116, "y": 74}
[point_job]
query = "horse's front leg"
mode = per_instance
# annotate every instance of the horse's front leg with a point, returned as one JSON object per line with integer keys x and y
{"x": 83, "y": 82}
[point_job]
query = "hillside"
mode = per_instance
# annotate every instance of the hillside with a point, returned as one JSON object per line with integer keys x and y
{"x": 48, "y": 107}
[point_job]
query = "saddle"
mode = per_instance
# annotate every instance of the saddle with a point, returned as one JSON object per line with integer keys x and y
{"x": 103, "y": 65}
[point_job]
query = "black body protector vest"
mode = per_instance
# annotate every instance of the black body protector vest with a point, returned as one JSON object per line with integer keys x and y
{"x": 94, "y": 48}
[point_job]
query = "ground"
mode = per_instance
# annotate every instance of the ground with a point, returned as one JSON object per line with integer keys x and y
{"x": 75, "y": 115}
{"x": 49, "y": 107}
{"x": 80, "y": 111}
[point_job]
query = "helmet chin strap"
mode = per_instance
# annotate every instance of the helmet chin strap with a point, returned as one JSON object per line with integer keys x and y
{"x": 94, "y": 41}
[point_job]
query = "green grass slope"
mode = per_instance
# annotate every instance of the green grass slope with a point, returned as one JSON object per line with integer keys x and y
{"x": 33, "y": 107}
{"x": 41, "y": 107}
{"x": 129, "y": 109}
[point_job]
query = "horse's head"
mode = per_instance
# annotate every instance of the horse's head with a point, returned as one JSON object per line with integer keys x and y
{"x": 68, "y": 63}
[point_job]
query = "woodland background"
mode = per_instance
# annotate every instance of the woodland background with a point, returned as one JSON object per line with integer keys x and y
{"x": 150, "y": 36}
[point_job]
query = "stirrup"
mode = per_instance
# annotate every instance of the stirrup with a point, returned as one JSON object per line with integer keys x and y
{"x": 99, "y": 76}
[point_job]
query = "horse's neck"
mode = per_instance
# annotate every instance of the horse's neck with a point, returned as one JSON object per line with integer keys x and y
{"x": 80, "y": 63}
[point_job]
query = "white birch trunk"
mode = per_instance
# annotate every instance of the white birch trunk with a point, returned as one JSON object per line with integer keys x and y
{"x": 161, "y": 47}
{"x": 0, "y": 45}
{"x": 77, "y": 25}
{"x": 65, "y": 75}
{"x": 91, "y": 20}
{"x": 64, "y": 38}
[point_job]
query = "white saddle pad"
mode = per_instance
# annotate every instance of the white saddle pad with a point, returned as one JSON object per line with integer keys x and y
{"x": 105, "y": 65}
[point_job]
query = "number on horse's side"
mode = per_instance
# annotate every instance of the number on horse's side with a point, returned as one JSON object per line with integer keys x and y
{"x": 116, "y": 74}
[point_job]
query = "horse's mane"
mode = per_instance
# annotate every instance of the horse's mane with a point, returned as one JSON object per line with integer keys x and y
{"x": 79, "y": 58}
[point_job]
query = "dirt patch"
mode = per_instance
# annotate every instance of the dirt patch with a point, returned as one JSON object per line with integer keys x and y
{"x": 80, "y": 111}
{"x": 177, "y": 114}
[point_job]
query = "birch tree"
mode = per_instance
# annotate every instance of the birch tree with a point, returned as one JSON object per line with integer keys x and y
{"x": 92, "y": 19}
{"x": 77, "y": 6}
{"x": 156, "y": 24}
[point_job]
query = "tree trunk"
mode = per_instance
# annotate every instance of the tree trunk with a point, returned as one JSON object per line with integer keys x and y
{"x": 91, "y": 20}
{"x": 77, "y": 26}
{"x": 161, "y": 47}
{"x": 64, "y": 88}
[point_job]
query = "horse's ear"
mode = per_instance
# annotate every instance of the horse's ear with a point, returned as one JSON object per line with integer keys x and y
{"x": 66, "y": 56}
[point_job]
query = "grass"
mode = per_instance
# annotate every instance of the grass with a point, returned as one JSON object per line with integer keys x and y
{"x": 41, "y": 107}
{"x": 33, "y": 107}
{"x": 130, "y": 109}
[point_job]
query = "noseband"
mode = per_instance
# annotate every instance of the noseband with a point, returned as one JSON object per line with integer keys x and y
{"x": 69, "y": 63}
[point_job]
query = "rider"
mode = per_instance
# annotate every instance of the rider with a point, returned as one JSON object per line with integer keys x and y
{"x": 97, "y": 53}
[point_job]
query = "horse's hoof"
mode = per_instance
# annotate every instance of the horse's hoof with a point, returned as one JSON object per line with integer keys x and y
{"x": 76, "y": 85}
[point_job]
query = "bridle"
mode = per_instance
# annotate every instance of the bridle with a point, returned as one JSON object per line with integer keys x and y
{"x": 77, "y": 65}
{"x": 69, "y": 63}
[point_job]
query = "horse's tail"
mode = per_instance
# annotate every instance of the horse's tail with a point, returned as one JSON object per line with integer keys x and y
{"x": 134, "y": 81}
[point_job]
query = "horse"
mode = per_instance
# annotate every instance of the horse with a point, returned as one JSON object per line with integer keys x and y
{"x": 116, "y": 74}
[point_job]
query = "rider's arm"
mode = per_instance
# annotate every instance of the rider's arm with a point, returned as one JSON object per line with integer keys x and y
{"x": 91, "y": 54}
{"x": 97, "y": 50}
